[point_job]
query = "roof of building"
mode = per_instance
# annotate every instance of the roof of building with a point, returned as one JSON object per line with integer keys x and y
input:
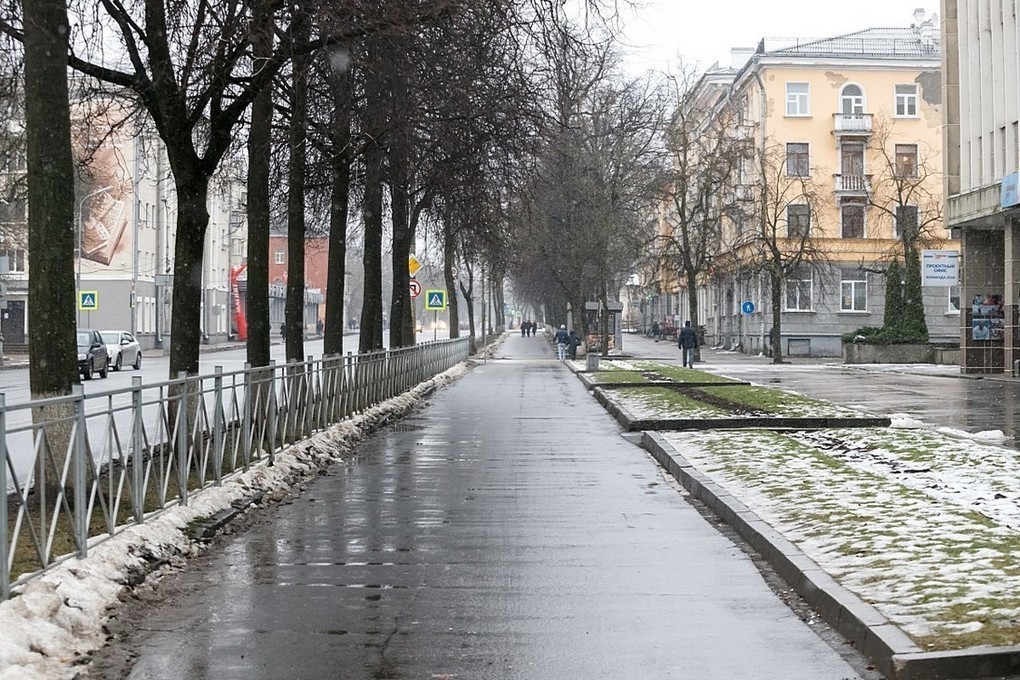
{"x": 884, "y": 43}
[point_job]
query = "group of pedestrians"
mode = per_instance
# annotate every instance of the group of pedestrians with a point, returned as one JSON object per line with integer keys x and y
{"x": 528, "y": 328}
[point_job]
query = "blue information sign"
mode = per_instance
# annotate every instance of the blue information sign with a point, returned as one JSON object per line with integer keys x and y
{"x": 747, "y": 307}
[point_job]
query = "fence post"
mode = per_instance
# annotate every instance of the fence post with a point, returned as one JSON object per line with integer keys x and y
{"x": 5, "y": 537}
{"x": 247, "y": 435}
{"x": 218, "y": 425}
{"x": 310, "y": 386}
{"x": 137, "y": 454}
{"x": 81, "y": 526}
{"x": 272, "y": 412}
{"x": 182, "y": 437}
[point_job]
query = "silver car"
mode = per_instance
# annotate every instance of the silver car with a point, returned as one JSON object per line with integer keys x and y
{"x": 123, "y": 348}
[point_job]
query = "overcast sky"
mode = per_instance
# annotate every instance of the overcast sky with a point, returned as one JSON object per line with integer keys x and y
{"x": 705, "y": 30}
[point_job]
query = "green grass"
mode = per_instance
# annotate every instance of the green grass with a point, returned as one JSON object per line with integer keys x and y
{"x": 772, "y": 401}
{"x": 673, "y": 404}
{"x": 680, "y": 374}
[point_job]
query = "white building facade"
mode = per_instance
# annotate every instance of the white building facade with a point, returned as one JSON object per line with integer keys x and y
{"x": 981, "y": 67}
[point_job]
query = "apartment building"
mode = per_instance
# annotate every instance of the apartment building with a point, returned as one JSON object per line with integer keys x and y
{"x": 852, "y": 125}
{"x": 126, "y": 212}
{"x": 981, "y": 68}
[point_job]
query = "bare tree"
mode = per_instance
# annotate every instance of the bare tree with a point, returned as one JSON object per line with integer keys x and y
{"x": 907, "y": 191}
{"x": 775, "y": 233}
{"x": 705, "y": 146}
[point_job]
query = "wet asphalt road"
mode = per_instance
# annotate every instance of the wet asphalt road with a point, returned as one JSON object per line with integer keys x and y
{"x": 506, "y": 531}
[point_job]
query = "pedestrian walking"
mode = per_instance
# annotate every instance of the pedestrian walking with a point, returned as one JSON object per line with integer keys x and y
{"x": 524, "y": 329}
{"x": 562, "y": 339}
{"x": 655, "y": 330}
{"x": 572, "y": 342}
{"x": 687, "y": 341}
{"x": 319, "y": 326}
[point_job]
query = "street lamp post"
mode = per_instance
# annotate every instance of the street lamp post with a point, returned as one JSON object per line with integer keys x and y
{"x": 81, "y": 209}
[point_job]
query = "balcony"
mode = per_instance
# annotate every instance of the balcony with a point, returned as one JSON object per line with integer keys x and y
{"x": 851, "y": 125}
{"x": 742, "y": 132}
{"x": 853, "y": 185}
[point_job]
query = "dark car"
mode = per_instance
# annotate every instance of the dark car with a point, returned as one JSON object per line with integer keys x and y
{"x": 92, "y": 354}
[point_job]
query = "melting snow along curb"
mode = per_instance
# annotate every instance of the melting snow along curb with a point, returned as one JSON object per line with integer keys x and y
{"x": 59, "y": 617}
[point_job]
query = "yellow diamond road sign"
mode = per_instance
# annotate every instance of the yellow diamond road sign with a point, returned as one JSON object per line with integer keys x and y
{"x": 435, "y": 300}
{"x": 413, "y": 265}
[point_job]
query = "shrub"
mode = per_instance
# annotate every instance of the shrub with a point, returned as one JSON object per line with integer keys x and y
{"x": 869, "y": 335}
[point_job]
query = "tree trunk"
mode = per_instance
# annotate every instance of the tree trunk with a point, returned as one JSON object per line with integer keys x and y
{"x": 259, "y": 133}
{"x": 51, "y": 226}
{"x": 371, "y": 307}
{"x": 294, "y": 316}
{"x": 775, "y": 337}
{"x": 192, "y": 221}
{"x": 468, "y": 292}
{"x": 449, "y": 259}
{"x": 333, "y": 334}
{"x": 402, "y": 332}
{"x": 371, "y": 335}
{"x": 692, "y": 303}
{"x": 53, "y": 365}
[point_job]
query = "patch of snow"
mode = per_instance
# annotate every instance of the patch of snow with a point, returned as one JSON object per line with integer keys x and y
{"x": 59, "y": 616}
{"x": 984, "y": 436}
{"x": 905, "y": 421}
{"x": 916, "y": 523}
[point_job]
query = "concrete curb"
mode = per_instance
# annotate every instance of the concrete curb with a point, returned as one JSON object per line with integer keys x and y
{"x": 895, "y": 654}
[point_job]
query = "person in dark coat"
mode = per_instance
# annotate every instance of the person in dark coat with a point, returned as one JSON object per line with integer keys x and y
{"x": 572, "y": 342}
{"x": 562, "y": 338}
{"x": 687, "y": 341}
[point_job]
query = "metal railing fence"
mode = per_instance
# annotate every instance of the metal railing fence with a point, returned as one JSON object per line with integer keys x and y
{"x": 81, "y": 468}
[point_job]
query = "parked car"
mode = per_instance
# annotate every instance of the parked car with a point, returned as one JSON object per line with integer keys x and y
{"x": 92, "y": 354}
{"x": 123, "y": 348}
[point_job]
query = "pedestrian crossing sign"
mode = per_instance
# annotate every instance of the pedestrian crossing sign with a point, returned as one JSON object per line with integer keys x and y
{"x": 435, "y": 300}
{"x": 88, "y": 300}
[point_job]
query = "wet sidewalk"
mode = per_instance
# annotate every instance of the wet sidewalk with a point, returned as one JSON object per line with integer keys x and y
{"x": 507, "y": 530}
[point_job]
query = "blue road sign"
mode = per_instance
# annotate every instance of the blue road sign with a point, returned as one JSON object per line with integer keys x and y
{"x": 435, "y": 300}
{"x": 747, "y": 307}
{"x": 88, "y": 300}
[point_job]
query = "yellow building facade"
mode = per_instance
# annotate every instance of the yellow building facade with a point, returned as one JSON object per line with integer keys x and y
{"x": 841, "y": 142}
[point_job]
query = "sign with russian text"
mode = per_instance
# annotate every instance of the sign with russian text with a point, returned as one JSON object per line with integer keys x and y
{"x": 940, "y": 268}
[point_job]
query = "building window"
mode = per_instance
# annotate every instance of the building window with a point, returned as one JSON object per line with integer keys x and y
{"x": 906, "y": 160}
{"x": 906, "y": 101}
{"x": 280, "y": 257}
{"x": 798, "y": 220}
{"x": 853, "y": 290}
{"x": 798, "y": 159}
{"x": 954, "y": 300}
{"x": 798, "y": 291}
{"x": 15, "y": 260}
{"x": 797, "y": 99}
{"x": 852, "y": 219}
{"x": 851, "y": 100}
{"x": 905, "y": 218}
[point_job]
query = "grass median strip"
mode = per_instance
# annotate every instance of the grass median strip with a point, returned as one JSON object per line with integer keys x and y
{"x": 662, "y": 403}
{"x": 942, "y": 570}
